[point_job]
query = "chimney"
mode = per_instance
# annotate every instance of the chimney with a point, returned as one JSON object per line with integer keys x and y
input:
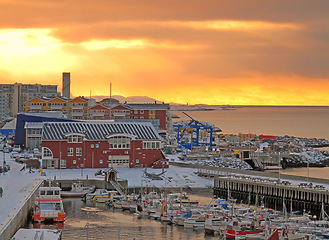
{"x": 66, "y": 85}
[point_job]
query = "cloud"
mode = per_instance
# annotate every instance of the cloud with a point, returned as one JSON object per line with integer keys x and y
{"x": 186, "y": 51}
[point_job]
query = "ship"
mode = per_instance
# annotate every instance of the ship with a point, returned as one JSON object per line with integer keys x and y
{"x": 48, "y": 206}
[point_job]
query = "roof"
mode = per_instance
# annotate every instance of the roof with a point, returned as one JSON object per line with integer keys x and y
{"x": 148, "y": 106}
{"x": 99, "y": 131}
{"x": 33, "y": 125}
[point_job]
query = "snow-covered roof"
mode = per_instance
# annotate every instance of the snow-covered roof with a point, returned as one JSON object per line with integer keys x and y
{"x": 99, "y": 131}
{"x": 33, "y": 125}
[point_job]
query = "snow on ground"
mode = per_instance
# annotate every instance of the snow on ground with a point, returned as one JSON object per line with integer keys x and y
{"x": 17, "y": 187}
{"x": 171, "y": 177}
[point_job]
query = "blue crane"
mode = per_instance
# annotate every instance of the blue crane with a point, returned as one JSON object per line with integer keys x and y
{"x": 196, "y": 126}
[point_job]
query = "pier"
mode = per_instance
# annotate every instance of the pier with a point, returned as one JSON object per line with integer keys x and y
{"x": 267, "y": 187}
{"x": 273, "y": 194}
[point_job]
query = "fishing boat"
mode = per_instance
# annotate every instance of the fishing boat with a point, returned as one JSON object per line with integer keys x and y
{"x": 48, "y": 206}
{"x": 78, "y": 190}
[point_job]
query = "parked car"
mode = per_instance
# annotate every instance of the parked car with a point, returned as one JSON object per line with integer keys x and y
{"x": 17, "y": 148}
{"x": 14, "y": 154}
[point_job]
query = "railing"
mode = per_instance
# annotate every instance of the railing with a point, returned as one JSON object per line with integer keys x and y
{"x": 117, "y": 187}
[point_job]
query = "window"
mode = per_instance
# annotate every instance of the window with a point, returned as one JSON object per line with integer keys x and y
{"x": 135, "y": 111}
{"x": 74, "y": 139}
{"x": 47, "y": 153}
{"x": 70, "y": 152}
{"x": 97, "y": 145}
{"x": 91, "y": 145}
{"x": 100, "y": 161}
{"x": 141, "y": 111}
{"x": 152, "y": 112}
{"x": 119, "y": 142}
{"x": 137, "y": 160}
{"x": 63, "y": 164}
{"x": 151, "y": 145}
{"x": 78, "y": 151}
{"x": 74, "y": 161}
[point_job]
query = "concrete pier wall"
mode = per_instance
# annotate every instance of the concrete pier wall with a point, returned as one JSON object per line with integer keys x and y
{"x": 66, "y": 185}
{"x": 19, "y": 218}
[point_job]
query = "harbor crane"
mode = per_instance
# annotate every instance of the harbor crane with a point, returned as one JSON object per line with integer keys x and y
{"x": 193, "y": 126}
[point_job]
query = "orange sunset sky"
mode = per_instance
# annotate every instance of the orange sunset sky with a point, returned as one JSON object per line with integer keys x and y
{"x": 243, "y": 52}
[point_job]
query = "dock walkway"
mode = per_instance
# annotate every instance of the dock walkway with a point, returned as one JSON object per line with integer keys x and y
{"x": 18, "y": 187}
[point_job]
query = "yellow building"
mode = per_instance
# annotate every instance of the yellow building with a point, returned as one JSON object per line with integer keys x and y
{"x": 76, "y": 108}
{"x": 36, "y": 105}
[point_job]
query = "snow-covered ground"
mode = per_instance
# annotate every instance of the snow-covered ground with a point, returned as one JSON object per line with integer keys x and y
{"x": 171, "y": 177}
{"x": 17, "y": 187}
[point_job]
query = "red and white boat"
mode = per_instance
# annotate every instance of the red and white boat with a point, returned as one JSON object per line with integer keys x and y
{"x": 48, "y": 206}
{"x": 236, "y": 234}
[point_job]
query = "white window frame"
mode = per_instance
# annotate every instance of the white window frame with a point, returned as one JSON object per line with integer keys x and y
{"x": 74, "y": 138}
{"x": 78, "y": 152}
{"x": 69, "y": 151}
{"x": 151, "y": 145}
{"x": 63, "y": 163}
{"x": 91, "y": 145}
{"x": 119, "y": 142}
{"x": 74, "y": 161}
{"x": 100, "y": 161}
{"x": 47, "y": 153}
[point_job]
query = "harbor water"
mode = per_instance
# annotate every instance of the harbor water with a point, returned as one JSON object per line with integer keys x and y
{"x": 98, "y": 221}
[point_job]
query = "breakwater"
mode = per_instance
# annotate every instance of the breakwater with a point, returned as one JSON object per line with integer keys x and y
{"x": 273, "y": 194}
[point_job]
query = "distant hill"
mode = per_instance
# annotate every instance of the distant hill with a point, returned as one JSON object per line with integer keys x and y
{"x": 132, "y": 99}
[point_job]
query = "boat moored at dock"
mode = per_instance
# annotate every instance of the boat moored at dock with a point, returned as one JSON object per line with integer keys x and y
{"x": 48, "y": 206}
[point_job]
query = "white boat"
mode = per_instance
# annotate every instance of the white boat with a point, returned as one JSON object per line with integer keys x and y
{"x": 97, "y": 192}
{"x": 78, "y": 190}
{"x": 48, "y": 205}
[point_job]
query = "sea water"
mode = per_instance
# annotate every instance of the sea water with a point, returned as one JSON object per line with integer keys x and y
{"x": 310, "y": 122}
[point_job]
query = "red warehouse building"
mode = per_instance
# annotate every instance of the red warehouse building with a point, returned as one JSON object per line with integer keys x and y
{"x": 100, "y": 145}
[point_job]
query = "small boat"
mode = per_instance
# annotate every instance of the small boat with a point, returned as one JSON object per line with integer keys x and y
{"x": 78, "y": 190}
{"x": 49, "y": 206}
{"x": 111, "y": 195}
{"x": 235, "y": 234}
{"x": 97, "y": 192}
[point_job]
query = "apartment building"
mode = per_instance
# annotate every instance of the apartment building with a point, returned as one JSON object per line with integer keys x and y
{"x": 14, "y": 96}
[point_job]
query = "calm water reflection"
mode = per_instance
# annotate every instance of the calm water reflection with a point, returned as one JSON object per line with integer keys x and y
{"x": 97, "y": 221}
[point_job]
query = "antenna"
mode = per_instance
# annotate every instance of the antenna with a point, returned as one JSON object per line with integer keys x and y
{"x": 110, "y": 100}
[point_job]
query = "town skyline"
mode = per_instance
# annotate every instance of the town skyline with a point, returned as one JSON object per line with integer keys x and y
{"x": 210, "y": 52}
